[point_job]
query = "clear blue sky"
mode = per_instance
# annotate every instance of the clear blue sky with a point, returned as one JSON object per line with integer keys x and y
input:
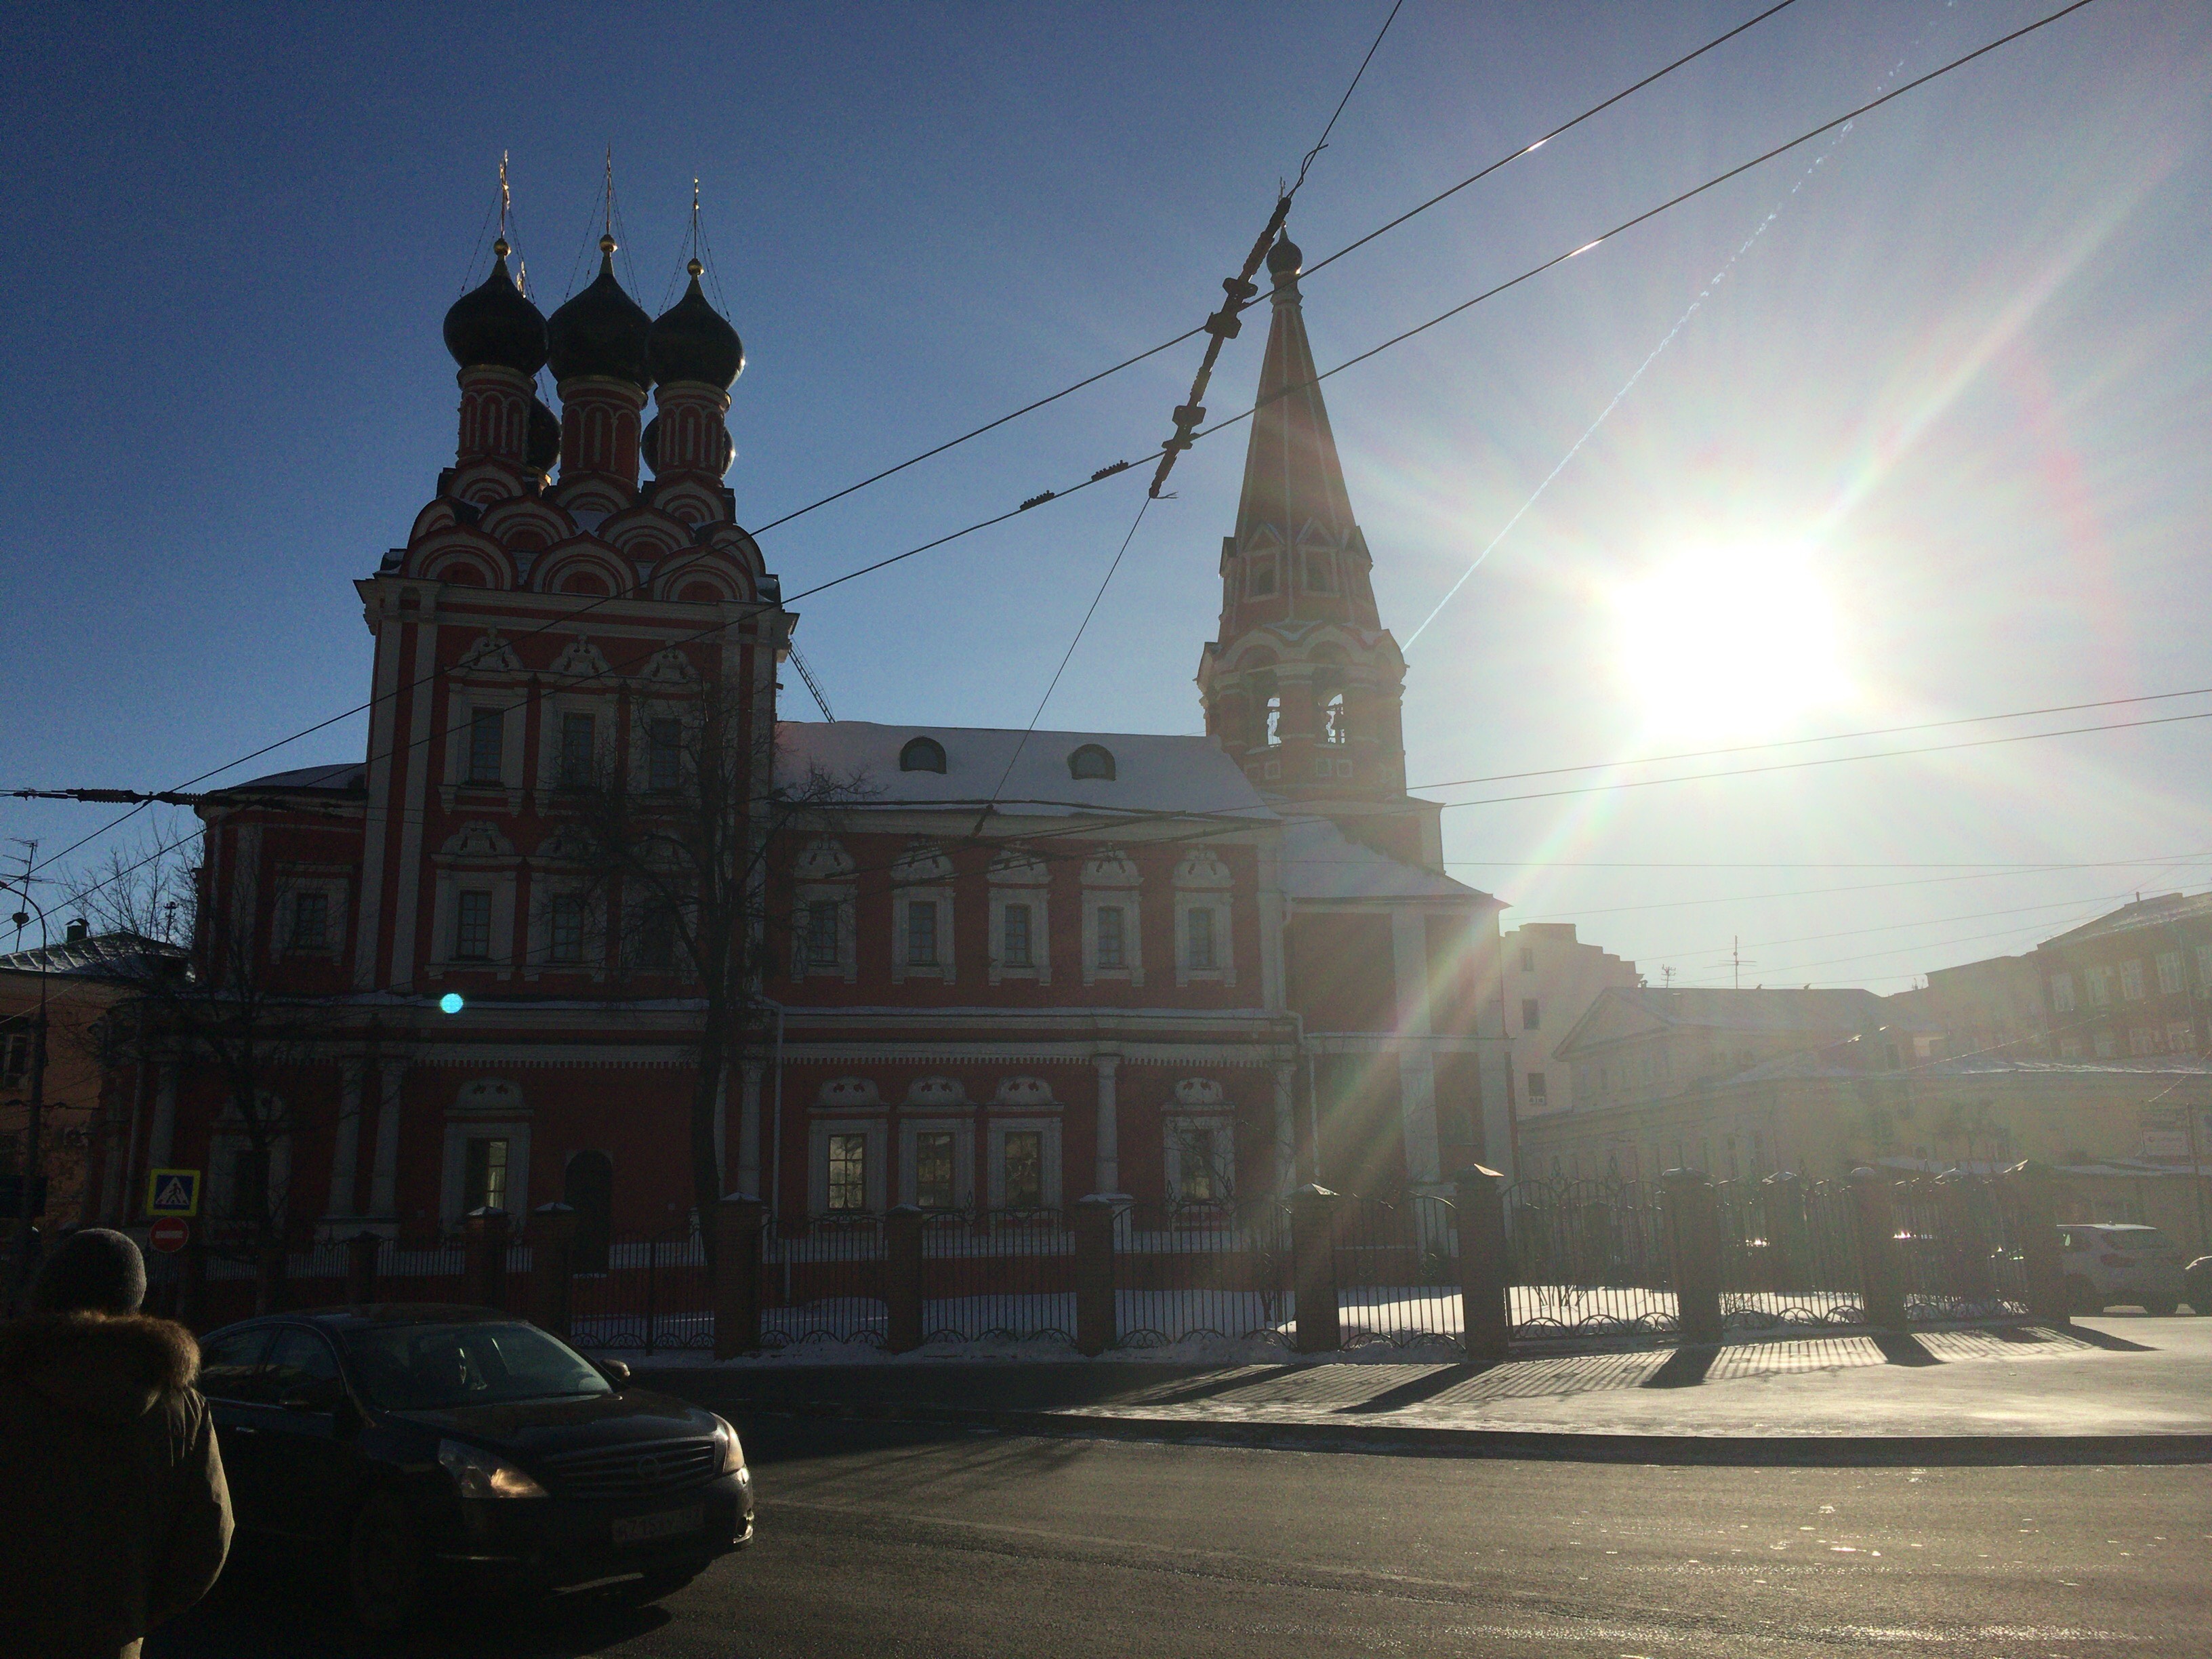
{"x": 1965, "y": 366}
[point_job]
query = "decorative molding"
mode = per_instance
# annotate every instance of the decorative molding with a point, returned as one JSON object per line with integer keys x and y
{"x": 490, "y": 654}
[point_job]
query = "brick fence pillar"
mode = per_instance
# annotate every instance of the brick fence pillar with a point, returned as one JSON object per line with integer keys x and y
{"x": 553, "y": 1268}
{"x": 1693, "y": 1242}
{"x": 1485, "y": 1269}
{"x": 361, "y": 1268}
{"x": 1874, "y": 1221}
{"x": 483, "y": 1257}
{"x": 1313, "y": 1256}
{"x": 903, "y": 1278}
{"x": 737, "y": 1275}
{"x": 2026, "y": 1187}
{"x": 1094, "y": 1273}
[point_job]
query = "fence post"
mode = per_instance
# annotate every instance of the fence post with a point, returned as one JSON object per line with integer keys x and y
{"x": 483, "y": 1257}
{"x": 361, "y": 1268}
{"x": 1693, "y": 1239}
{"x": 1485, "y": 1269}
{"x": 552, "y": 1267}
{"x": 2028, "y": 1184}
{"x": 1965, "y": 1253}
{"x": 1094, "y": 1273}
{"x": 1874, "y": 1220}
{"x": 1781, "y": 1201}
{"x": 1313, "y": 1256}
{"x": 903, "y": 1278}
{"x": 737, "y": 1275}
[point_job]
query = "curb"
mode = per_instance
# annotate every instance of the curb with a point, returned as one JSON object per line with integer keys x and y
{"x": 1929, "y": 1450}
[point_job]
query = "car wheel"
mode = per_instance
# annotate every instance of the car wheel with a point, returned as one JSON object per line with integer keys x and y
{"x": 2082, "y": 1296}
{"x": 383, "y": 1563}
{"x": 2159, "y": 1306}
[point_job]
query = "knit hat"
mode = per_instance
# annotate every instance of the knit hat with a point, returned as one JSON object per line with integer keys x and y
{"x": 93, "y": 1268}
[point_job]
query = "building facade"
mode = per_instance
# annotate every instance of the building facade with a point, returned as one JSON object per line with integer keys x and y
{"x": 988, "y": 969}
{"x": 2135, "y": 982}
{"x": 1551, "y": 979}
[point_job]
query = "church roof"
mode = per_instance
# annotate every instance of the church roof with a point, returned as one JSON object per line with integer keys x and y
{"x": 1320, "y": 862}
{"x": 1151, "y": 774}
{"x": 346, "y": 778}
{"x": 1292, "y": 477}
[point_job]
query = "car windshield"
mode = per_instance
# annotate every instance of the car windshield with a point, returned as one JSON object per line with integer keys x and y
{"x": 432, "y": 1367}
{"x": 2150, "y": 1239}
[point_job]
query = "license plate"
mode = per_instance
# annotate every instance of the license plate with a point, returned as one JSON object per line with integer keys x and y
{"x": 672, "y": 1523}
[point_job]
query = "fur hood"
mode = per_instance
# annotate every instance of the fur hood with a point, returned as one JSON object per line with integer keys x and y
{"x": 117, "y": 1366}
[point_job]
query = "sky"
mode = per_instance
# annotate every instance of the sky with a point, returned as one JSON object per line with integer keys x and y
{"x": 1906, "y": 426}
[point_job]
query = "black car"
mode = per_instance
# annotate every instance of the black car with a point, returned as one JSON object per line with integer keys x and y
{"x": 420, "y": 1445}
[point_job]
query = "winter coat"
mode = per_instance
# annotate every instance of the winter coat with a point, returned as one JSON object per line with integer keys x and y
{"x": 113, "y": 1513}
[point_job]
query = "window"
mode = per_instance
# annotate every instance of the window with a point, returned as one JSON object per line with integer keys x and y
{"x": 922, "y": 754}
{"x": 1272, "y": 723}
{"x": 2069, "y": 1048}
{"x": 1537, "y": 1097}
{"x": 578, "y": 747}
{"x": 249, "y": 1182}
{"x": 487, "y": 744}
{"x": 1201, "y": 951}
{"x": 2204, "y": 970}
{"x": 1531, "y": 1019}
{"x": 822, "y": 933}
{"x": 483, "y": 1175}
{"x": 1110, "y": 937}
{"x": 1321, "y": 573}
{"x": 664, "y": 754}
{"x": 932, "y": 1170}
{"x": 1199, "y": 1174}
{"x": 1093, "y": 761}
{"x": 1259, "y": 583}
{"x": 567, "y": 929}
{"x": 656, "y": 935}
{"x": 2100, "y": 987}
{"x": 1023, "y": 1169}
{"x": 2169, "y": 973}
{"x": 302, "y": 1368}
{"x": 2062, "y": 994}
{"x": 18, "y": 1056}
{"x": 921, "y": 933}
{"x": 472, "y": 927}
{"x": 1015, "y": 924}
{"x": 310, "y": 922}
{"x": 848, "y": 1173}
{"x": 2107, "y": 1045}
{"x": 1334, "y": 726}
{"x": 2142, "y": 1040}
{"x": 2131, "y": 981}
{"x": 230, "y": 1366}
{"x": 1527, "y": 960}
{"x": 2180, "y": 1037}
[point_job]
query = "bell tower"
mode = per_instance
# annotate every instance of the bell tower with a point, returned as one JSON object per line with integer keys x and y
{"x": 1303, "y": 687}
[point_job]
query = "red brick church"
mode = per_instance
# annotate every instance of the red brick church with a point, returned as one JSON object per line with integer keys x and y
{"x": 1001, "y": 971}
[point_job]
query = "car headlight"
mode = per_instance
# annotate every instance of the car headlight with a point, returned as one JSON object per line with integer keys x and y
{"x": 733, "y": 1454}
{"x": 480, "y": 1473}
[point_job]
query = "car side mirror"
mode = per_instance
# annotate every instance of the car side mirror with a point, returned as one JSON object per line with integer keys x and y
{"x": 614, "y": 1371}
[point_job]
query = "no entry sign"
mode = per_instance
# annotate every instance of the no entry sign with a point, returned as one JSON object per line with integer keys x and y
{"x": 170, "y": 1234}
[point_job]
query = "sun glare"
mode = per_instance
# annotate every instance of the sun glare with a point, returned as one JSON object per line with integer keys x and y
{"x": 1723, "y": 640}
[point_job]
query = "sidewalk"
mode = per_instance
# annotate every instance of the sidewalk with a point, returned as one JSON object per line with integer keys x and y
{"x": 2116, "y": 1389}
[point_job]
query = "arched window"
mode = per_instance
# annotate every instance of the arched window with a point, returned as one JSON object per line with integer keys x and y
{"x": 1271, "y": 721}
{"x": 1335, "y": 727}
{"x": 1091, "y": 761}
{"x": 922, "y": 754}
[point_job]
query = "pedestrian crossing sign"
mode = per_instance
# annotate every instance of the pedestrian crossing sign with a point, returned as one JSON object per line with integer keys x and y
{"x": 172, "y": 1192}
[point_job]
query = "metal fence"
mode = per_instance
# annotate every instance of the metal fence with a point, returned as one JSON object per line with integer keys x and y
{"x": 1397, "y": 1271}
{"x": 822, "y": 1280}
{"x": 653, "y": 1293}
{"x": 1184, "y": 1271}
{"x": 1790, "y": 1255}
{"x": 997, "y": 1275}
{"x": 1959, "y": 1250}
{"x": 1588, "y": 1258}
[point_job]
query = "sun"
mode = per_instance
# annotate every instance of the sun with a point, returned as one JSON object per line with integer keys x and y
{"x": 1734, "y": 639}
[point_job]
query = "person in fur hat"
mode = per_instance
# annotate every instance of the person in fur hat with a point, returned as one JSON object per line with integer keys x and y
{"x": 113, "y": 1512}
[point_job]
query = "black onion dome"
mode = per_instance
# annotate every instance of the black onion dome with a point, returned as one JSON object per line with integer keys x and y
{"x": 692, "y": 341}
{"x": 1285, "y": 259}
{"x": 542, "y": 448}
{"x": 494, "y": 324}
{"x": 601, "y": 332}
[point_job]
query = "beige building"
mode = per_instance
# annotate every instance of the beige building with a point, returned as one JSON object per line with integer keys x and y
{"x": 1993, "y": 1006}
{"x": 1552, "y": 978}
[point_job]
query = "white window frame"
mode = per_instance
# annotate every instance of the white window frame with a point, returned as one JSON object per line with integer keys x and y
{"x": 512, "y": 702}
{"x": 2169, "y": 973}
{"x": 904, "y": 899}
{"x": 1174, "y": 1126}
{"x": 460, "y": 1131}
{"x": 544, "y": 890}
{"x": 1037, "y": 898}
{"x": 290, "y": 884}
{"x": 501, "y": 882}
{"x": 995, "y": 1155}
{"x": 818, "y": 1161}
{"x": 2100, "y": 986}
{"x": 1111, "y": 878}
{"x": 226, "y": 1142}
{"x": 555, "y": 706}
{"x": 2062, "y": 994}
{"x": 911, "y": 1129}
{"x": 843, "y": 895}
{"x": 2131, "y": 980}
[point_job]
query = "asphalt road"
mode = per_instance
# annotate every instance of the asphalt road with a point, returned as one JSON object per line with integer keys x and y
{"x": 878, "y": 1539}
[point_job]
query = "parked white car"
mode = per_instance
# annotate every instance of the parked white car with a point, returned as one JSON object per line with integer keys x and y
{"x": 2119, "y": 1263}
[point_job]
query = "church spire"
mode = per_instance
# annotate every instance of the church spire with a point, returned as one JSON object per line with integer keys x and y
{"x": 1303, "y": 684}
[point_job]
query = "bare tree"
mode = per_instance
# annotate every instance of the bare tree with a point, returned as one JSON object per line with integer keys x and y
{"x": 676, "y": 840}
{"x": 200, "y": 987}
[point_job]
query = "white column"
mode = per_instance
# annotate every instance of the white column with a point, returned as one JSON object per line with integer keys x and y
{"x": 384, "y": 1171}
{"x": 1108, "y": 1175}
{"x": 345, "y": 1150}
{"x": 749, "y": 1109}
{"x": 1417, "y": 1073}
{"x": 1286, "y": 1135}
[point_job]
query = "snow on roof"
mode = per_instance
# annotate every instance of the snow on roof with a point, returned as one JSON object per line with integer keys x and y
{"x": 1153, "y": 775}
{"x": 91, "y": 956}
{"x": 2144, "y": 912}
{"x": 1320, "y": 862}
{"x": 346, "y": 777}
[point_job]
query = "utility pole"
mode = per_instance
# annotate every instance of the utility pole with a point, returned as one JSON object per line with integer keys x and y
{"x": 34, "y": 1159}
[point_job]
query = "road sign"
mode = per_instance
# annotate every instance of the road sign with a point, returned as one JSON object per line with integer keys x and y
{"x": 172, "y": 1192}
{"x": 170, "y": 1234}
